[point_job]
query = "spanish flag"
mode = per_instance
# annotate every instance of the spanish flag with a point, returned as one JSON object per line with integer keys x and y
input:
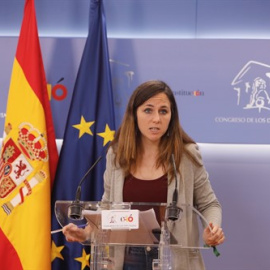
{"x": 28, "y": 158}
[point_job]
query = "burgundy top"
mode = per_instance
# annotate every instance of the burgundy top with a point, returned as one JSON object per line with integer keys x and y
{"x": 155, "y": 191}
{"x": 137, "y": 190}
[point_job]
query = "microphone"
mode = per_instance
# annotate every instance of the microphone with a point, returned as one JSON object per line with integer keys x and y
{"x": 173, "y": 211}
{"x": 75, "y": 209}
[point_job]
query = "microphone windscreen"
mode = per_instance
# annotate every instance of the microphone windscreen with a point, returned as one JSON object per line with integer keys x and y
{"x": 75, "y": 211}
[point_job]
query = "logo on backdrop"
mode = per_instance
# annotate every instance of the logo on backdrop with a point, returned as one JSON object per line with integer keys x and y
{"x": 252, "y": 86}
{"x": 193, "y": 93}
{"x": 58, "y": 91}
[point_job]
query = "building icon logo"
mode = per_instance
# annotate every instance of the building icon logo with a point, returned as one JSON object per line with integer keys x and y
{"x": 252, "y": 85}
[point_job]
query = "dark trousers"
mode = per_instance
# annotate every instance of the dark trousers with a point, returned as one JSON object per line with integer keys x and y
{"x": 139, "y": 258}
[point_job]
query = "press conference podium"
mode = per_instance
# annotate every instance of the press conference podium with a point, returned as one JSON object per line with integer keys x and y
{"x": 120, "y": 226}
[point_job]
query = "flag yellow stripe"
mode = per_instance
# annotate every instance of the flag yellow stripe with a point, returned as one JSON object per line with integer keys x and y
{"x": 22, "y": 96}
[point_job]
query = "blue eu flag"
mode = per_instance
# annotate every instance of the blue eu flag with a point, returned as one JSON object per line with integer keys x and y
{"x": 89, "y": 129}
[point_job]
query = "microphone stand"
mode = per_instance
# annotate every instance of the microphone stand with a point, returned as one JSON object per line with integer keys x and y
{"x": 173, "y": 211}
{"x": 75, "y": 209}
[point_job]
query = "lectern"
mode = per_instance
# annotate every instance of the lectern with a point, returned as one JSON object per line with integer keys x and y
{"x": 120, "y": 227}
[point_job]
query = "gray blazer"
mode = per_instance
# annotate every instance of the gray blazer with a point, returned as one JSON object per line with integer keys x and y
{"x": 194, "y": 189}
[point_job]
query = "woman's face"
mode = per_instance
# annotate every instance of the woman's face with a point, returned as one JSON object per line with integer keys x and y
{"x": 153, "y": 117}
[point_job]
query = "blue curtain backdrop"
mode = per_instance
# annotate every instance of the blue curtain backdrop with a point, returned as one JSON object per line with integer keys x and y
{"x": 89, "y": 129}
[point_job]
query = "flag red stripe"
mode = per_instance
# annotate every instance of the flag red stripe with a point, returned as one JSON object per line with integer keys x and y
{"x": 28, "y": 46}
{"x": 9, "y": 258}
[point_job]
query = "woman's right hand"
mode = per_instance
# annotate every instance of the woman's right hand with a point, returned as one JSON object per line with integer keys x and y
{"x": 75, "y": 234}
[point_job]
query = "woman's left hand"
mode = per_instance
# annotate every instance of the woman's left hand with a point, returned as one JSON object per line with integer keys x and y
{"x": 214, "y": 236}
